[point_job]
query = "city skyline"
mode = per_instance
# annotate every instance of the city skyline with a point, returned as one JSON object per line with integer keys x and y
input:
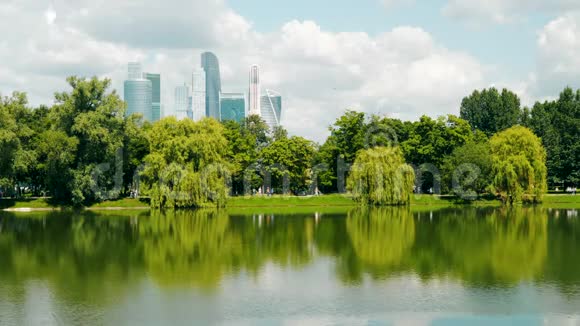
{"x": 397, "y": 58}
{"x": 190, "y": 101}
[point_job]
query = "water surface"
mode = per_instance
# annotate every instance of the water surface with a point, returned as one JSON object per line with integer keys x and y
{"x": 360, "y": 267}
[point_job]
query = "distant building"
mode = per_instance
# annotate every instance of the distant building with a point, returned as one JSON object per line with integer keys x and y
{"x": 254, "y": 92}
{"x": 155, "y": 96}
{"x": 134, "y": 71}
{"x": 138, "y": 93}
{"x": 198, "y": 107}
{"x": 182, "y": 100}
{"x": 232, "y": 106}
{"x": 271, "y": 108}
{"x": 213, "y": 87}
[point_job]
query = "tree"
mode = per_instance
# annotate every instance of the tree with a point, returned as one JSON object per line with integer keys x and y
{"x": 430, "y": 142}
{"x": 9, "y": 143}
{"x": 186, "y": 166}
{"x": 557, "y": 123}
{"x": 490, "y": 111}
{"x": 289, "y": 158}
{"x": 518, "y": 165}
{"x": 92, "y": 118}
{"x": 381, "y": 177}
{"x": 467, "y": 171}
{"x": 347, "y": 137}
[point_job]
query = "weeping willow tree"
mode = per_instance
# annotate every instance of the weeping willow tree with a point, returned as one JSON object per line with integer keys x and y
{"x": 518, "y": 166}
{"x": 186, "y": 166}
{"x": 380, "y": 176}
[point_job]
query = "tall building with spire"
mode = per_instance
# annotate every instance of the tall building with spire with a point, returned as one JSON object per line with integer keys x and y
{"x": 254, "y": 92}
{"x": 213, "y": 87}
{"x": 138, "y": 93}
{"x": 198, "y": 94}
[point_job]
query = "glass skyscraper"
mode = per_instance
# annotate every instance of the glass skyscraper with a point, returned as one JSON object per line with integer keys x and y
{"x": 155, "y": 96}
{"x": 232, "y": 106}
{"x": 254, "y": 92}
{"x": 182, "y": 100}
{"x": 213, "y": 87}
{"x": 198, "y": 109}
{"x": 138, "y": 93}
{"x": 271, "y": 108}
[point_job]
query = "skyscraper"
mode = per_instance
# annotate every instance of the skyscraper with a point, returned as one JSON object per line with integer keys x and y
{"x": 213, "y": 87}
{"x": 155, "y": 96}
{"x": 254, "y": 93}
{"x": 135, "y": 70}
{"x": 232, "y": 106}
{"x": 198, "y": 94}
{"x": 138, "y": 93}
{"x": 182, "y": 102}
{"x": 271, "y": 108}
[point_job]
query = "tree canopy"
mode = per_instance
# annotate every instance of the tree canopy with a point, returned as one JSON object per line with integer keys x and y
{"x": 491, "y": 111}
{"x": 518, "y": 165}
{"x": 380, "y": 176}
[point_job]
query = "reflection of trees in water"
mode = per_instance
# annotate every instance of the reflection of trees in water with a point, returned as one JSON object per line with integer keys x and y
{"x": 95, "y": 258}
{"x": 520, "y": 244}
{"x": 381, "y": 237}
{"x": 483, "y": 247}
{"x": 93, "y": 255}
{"x": 564, "y": 250}
{"x": 188, "y": 247}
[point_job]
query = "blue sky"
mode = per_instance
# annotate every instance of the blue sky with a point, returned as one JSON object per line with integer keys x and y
{"x": 511, "y": 46}
{"x": 398, "y": 58}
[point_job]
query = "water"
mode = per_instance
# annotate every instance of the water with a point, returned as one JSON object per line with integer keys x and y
{"x": 361, "y": 267}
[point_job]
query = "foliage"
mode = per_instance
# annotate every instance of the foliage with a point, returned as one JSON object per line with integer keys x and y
{"x": 381, "y": 177}
{"x": 468, "y": 170}
{"x": 518, "y": 165}
{"x": 291, "y": 159}
{"x": 491, "y": 111}
{"x": 185, "y": 167}
{"x": 557, "y": 123}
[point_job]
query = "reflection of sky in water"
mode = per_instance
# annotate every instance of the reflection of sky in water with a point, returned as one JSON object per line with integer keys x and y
{"x": 309, "y": 296}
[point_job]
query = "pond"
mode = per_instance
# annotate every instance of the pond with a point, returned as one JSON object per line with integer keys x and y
{"x": 389, "y": 266}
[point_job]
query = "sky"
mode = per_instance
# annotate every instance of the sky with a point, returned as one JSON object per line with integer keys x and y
{"x": 397, "y": 58}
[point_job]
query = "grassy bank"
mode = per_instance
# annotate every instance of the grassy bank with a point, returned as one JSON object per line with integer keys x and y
{"x": 337, "y": 201}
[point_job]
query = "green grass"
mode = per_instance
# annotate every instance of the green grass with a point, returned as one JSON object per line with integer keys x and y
{"x": 329, "y": 203}
{"x": 36, "y": 203}
{"x": 47, "y": 203}
{"x": 122, "y": 203}
{"x": 290, "y": 201}
{"x": 562, "y": 201}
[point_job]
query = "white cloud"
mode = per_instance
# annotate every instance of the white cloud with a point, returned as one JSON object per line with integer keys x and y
{"x": 503, "y": 11}
{"x": 403, "y": 72}
{"x": 50, "y": 15}
{"x": 558, "y": 61}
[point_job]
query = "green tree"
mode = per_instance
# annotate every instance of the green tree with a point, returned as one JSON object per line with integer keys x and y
{"x": 468, "y": 170}
{"x": 94, "y": 117}
{"x": 518, "y": 165}
{"x": 491, "y": 111}
{"x": 186, "y": 166}
{"x": 557, "y": 123}
{"x": 380, "y": 176}
{"x": 347, "y": 137}
{"x": 289, "y": 158}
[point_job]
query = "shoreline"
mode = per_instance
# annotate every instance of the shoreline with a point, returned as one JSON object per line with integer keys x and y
{"x": 551, "y": 201}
